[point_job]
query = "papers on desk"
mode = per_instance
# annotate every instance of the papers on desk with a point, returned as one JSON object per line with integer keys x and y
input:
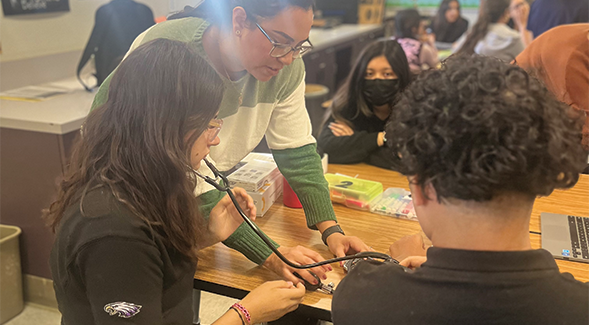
{"x": 41, "y": 92}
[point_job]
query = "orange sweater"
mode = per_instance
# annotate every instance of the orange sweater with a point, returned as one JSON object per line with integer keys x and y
{"x": 560, "y": 57}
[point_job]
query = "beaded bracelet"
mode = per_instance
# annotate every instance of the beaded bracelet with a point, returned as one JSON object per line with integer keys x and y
{"x": 239, "y": 314}
{"x": 243, "y": 311}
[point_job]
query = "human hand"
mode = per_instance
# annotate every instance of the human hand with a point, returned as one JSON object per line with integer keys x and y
{"x": 520, "y": 15}
{"x": 340, "y": 129}
{"x": 299, "y": 255}
{"x": 341, "y": 245}
{"x": 273, "y": 300}
{"x": 224, "y": 218}
{"x": 380, "y": 139}
{"x": 412, "y": 245}
{"x": 413, "y": 262}
{"x": 429, "y": 39}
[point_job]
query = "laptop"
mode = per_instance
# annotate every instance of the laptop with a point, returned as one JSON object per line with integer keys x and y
{"x": 566, "y": 237}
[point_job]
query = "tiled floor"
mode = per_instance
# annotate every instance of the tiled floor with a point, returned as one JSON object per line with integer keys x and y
{"x": 212, "y": 307}
{"x": 36, "y": 314}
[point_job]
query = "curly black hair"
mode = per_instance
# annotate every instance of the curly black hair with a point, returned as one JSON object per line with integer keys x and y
{"x": 480, "y": 127}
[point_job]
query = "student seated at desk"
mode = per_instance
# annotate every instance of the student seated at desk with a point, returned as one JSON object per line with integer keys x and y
{"x": 418, "y": 46}
{"x": 354, "y": 129}
{"x": 479, "y": 140}
{"x": 128, "y": 225}
{"x": 256, "y": 47}
{"x": 448, "y": 25}
{"x": 491, "y": 36}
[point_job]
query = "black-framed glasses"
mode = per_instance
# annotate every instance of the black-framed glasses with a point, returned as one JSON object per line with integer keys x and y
{"x": 280, "y": 50}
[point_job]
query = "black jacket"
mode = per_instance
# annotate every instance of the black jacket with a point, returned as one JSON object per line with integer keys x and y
{"x": 109, "y": 261}
{"x": 450, "y": 33}
{"x": 362, "y": 146}
{"x": 116, "y": 26}
{"x": 463, "y": 287}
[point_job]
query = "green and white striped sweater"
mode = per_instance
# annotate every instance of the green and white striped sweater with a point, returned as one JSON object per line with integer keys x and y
{"x": 276, "y": 109}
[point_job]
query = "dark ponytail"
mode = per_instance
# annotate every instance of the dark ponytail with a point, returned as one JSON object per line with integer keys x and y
{"x": 490, "y": 12}
{"x": 220, "y": 12}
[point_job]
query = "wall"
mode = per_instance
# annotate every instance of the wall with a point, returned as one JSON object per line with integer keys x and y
{"x": 46, "y": 47}
{"x": 29, "y": 36}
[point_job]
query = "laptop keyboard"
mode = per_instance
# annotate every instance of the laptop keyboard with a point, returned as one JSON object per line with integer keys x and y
{"x": 579, "y": 228}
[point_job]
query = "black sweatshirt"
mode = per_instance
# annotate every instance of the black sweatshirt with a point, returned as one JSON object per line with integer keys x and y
{"x": 362, "y": 146}
{"x": 109, "y": 262}
{"x": 463, "y": 287}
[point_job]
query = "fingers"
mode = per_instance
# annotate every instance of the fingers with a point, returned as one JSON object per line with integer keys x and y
{"x": 339, "y": 129}
{"x": 290, "y": 277}
{"x": 413, "y": 262}
{"x": 246, "y": 202}
{"x": 307, "y": 276}
{"x": 358, "y": 245}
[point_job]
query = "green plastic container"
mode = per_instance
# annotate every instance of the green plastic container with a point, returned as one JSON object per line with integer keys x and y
{"x": 352, "y": 192}
{"x": 11, "y": 293}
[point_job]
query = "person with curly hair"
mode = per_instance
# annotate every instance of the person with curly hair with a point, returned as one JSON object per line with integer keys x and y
{"x": 478, "y": 140}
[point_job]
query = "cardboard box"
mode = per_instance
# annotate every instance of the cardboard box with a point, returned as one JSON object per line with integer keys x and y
{"x": 371, "y": 11}
{"x": 267, "y": 195}
{"x": 253, "y": 172}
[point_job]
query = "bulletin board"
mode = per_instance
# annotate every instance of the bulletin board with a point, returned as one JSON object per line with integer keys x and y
{"x": 430, "y": 3}
{"x": 25, "y": 7}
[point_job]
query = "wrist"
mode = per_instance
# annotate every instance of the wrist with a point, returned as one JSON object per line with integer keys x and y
{"x": 333, "y": 237}
{"x": 330, "y": 232}
{"x": 322, "y": 226}
{"x": 243, "y": 313}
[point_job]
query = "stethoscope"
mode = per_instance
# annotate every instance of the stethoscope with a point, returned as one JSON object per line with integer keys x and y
{"x": 227, "y": 189}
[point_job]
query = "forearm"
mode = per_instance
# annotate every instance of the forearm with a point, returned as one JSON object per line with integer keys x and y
{"x": 303, "y": 170}
{"x": 244, "y": 239}
{"x": 526, "y": 35}
{"x": 229, "y": 318}
{"x": 348, "y": 149}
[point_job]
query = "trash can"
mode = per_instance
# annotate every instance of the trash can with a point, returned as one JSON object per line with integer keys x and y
{"x": 11, "y": 296}
{"x": 315, "y": 95}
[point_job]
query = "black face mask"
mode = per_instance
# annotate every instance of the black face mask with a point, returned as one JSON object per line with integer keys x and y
{"x": 380, "y": 92}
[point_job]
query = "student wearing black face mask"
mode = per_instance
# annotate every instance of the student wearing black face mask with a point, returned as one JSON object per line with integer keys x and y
{"x": 353, "y": 130}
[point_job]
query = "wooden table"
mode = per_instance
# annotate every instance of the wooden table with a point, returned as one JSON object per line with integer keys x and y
{"x": 225, "y": 271}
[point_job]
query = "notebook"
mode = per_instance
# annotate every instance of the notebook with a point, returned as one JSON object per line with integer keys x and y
{"x": 565, "y": 236}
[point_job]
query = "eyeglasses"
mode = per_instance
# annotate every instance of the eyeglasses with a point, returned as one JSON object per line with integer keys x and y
{"x": 214, "y": 129}
{"x": 280, "y": 50}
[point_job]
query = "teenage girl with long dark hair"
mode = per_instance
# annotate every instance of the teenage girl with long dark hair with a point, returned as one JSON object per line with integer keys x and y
{"x": 127, "y": 224}
{"x": 354, "y": 129}
{"x": 448, "y": 25}
{"x": 255, "y": 46}
{"x": 491, "y": 36}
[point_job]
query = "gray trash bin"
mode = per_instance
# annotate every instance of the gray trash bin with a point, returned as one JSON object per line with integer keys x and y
{"x": 11, "y": 293}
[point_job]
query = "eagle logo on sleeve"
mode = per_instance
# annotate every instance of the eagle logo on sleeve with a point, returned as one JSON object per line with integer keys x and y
{"x": 123, "y": 309}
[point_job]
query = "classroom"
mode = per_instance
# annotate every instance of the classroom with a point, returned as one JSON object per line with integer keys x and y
{"x": 309, "y": 162}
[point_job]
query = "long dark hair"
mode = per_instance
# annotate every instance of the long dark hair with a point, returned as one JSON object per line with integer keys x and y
{"x": 405, "y": 22}
{"x": 490, "y": 12}
{"x": 349, "y": 102}
{"x": 220, "y": 12}
{"x": 135, "y": 144}
{"x": 439, "y": 21}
